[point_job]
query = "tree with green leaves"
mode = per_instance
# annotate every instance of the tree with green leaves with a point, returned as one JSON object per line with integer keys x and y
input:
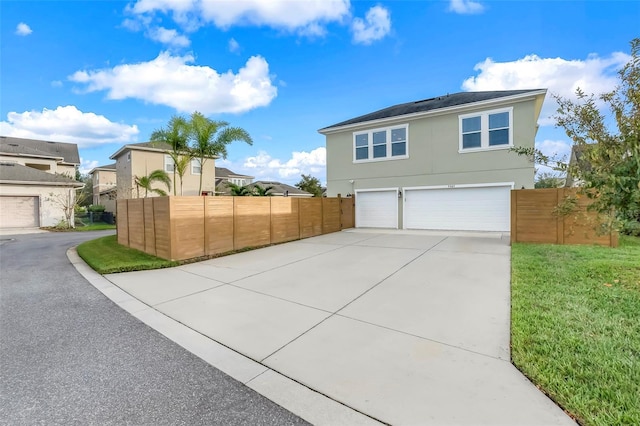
{"x": 261, "y": 191}
{"x": 210, "y": 138}
{"x": 146, "y": 183}
{"x": 239, "y": 190}
{"x": 176, "y": 135}
{"x": 609, "y": 143}
{"x": 310, "y": 184}
{"x": 549, "y": 180}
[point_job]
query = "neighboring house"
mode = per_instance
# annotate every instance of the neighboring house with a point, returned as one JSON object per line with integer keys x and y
{"x": 140, "y": 159}
{"x": 441, "y": 163}
{"x": 104, "y": 186}
{"x": 281, "y": 189}
{"x": 578, "y": 160}
{"x": 224, "y": 176}
{"x": 36, "y": 181}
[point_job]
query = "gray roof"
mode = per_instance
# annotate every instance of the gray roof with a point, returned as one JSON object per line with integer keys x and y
{"x": 279, "y": 188}
{"x": 19, "y": 173}
{"x": 224, "y": 172}
{"x": 67, "y": 151}
{"x": 108, "y": 167}
{"x": 440, "y": 102}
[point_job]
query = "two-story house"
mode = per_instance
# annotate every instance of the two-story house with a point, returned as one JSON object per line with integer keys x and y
{"x": 140, "y": 159}
{"x": 37, "y": 181}
{"x": 442, "y": 163}
{"x": 104, "y": 183}
{"x": 224, "y": 176}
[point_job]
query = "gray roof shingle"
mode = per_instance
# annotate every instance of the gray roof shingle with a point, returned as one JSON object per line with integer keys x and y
{"x": 67, "y": 151}
{"x": 439, "y": 102}
{"x": 20, "y": 173}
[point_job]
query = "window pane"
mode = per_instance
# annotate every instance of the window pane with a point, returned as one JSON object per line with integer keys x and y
{"x": 362, "y": 153}
{"x": 471, "y": 124}
{"x": 379, "y": 151}
{"x": 499, "y": 137}
{"x": 398, "y": 135}
{"x": 362, "y": 140}
{"x": 379, "y": 137}
{"x": 471, "y": 140}
{"x": 399, "y": 148}
{"x": 498, "y": 121}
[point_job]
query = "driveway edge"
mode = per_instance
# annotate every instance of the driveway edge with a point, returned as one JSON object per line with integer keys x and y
{"x": 302, "y": 401}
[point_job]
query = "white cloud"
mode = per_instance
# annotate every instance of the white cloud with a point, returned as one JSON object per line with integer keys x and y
{"x": 466, "y": 7}
{"x": 87, "y": 165}
{"x": 170, "y": 80}
{"x": 234, "y": 46}
{"x": 67, "y": 124}
{"x": 264, "y": 167}
{"x": 56, "y": 83}
{"x": 559, "y": 76}
{"x": 23, "y": 29}
{"x": 375, "y": 26}
{"x": 304, "y": 16}
{"x": 169, "y": 37}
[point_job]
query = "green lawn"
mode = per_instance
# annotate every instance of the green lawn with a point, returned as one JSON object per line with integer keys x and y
{"x": 576, "y": 327}
{"x": 106, "y": 256}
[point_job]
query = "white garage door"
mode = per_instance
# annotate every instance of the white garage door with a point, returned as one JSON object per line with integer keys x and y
{"x": 19, "y": 212}
{"x": 465, "y": 209}
{"x": 377, "y": 209}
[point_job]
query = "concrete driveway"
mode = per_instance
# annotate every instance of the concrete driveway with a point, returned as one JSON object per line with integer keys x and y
{"x": 405, "y": 327}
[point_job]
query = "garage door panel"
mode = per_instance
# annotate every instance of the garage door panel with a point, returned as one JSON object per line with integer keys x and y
{"x": 466, "y": 209}
{"x": 377, "y": 209}
{"x": 19, "y": 212}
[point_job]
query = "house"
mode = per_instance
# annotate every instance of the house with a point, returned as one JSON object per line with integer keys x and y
{"x": 36, "y": 181}
{"x": 104, "y": 186}
{"x": 281, "y": 189}
{"x": 224, "y": 175}
{"x": 442, "y": 163}
{"x": 577, "y": 162}
{"x": 140, "y": 159}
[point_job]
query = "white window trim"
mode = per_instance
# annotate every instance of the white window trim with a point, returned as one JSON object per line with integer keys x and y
{"x": 484, "y": 131}
{"x": 168, "y": 161}
{"x": 389, "y": 144}
{"x": 192, "y": 170}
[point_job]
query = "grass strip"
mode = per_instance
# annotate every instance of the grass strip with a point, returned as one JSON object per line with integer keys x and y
{"x": 106, "y": 256}
{"x": 576, "y": 327}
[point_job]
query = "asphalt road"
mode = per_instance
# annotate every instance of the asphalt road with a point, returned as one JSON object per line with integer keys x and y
{"x": 68, "y": 355}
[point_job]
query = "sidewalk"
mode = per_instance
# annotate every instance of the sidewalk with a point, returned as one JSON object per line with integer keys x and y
{"x": 345, "y": 328}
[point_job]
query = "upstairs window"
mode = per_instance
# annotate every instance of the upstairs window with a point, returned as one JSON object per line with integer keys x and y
{"x": 486, "y": 130}
{"x": 380, "y": 144}
{"x": 196, "y": 167}
{"x": 168, "y": 164}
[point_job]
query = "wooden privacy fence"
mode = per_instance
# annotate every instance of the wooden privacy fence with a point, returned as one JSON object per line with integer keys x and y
{"x": 178, "y": 228}
{"x": 535, "y": 218}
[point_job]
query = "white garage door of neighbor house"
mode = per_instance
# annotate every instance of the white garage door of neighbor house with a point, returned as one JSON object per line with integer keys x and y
{"x": 464, "y": 209}
{"x": 377, "y": 209}
{"x": 19, "y": 212}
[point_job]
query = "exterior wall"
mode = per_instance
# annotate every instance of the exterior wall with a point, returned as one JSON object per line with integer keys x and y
{"x": 433, "y": 144}
{"x": 144, "y": 162}
{"x": 51, "y": 212}
{"x": 106, "y": 201}
{"x": 103, "y": 180}
{"x": 46, "y": 165}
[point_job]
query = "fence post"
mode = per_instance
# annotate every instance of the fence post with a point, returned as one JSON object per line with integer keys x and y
{"x": 514, "y": 216}
{"x": 560, "y": 218}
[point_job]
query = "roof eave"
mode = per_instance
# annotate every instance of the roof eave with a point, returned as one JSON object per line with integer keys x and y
{"x": 519, "y": 97}
{"x": 41, "y": 183}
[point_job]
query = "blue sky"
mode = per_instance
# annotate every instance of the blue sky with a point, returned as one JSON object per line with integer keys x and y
{"x": 105, "y": 73}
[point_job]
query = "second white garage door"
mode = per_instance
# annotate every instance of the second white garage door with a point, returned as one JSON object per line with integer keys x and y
{"x": 377, "y": 208}
{"x": 18, "y": 212}
{"x": 465, "y": 209}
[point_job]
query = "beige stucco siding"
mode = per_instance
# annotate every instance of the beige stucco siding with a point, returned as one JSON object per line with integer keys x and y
{"x": 50, "y": 197}
{"x": 434, "y": 157}
{"x": 44, "y": 164}
{"x": 144, "y": 162}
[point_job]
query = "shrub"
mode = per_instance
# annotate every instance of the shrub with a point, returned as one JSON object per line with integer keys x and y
{"x": 96, "y": 208}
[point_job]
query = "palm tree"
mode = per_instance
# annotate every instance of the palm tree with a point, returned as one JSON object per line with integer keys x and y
{"x": 176, "y": 134}
{"x": 260, "y": 191}
{"x": 210, "y": 138}
{"x": 146, "y": 182}
{"x": 238, "y": 190}
{"x": 180, "y": 166}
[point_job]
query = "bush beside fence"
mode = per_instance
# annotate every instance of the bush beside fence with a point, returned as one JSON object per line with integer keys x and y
{"x": 179, "y": 228}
